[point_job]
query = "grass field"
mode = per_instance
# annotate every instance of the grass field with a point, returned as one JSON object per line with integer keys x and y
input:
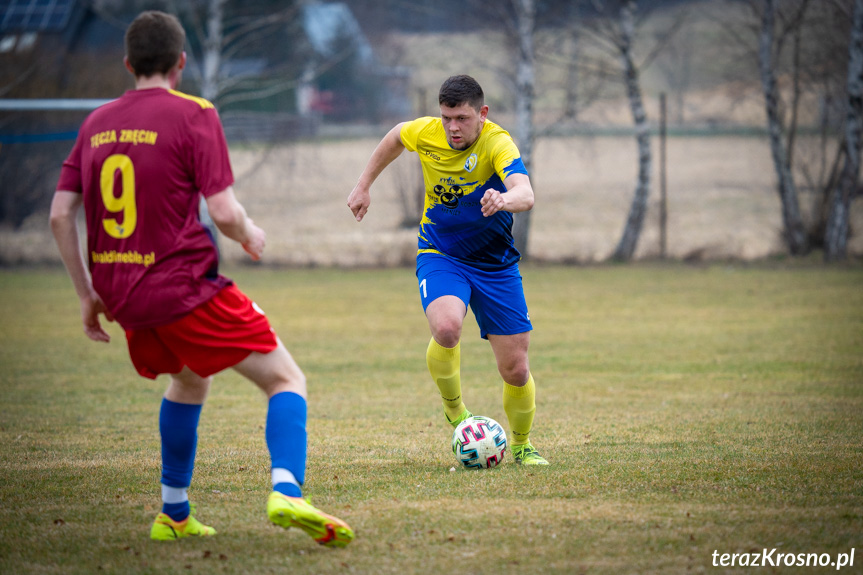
{"x": 686, "y": 410}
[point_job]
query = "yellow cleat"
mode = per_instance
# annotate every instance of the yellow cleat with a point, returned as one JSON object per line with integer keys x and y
{"x": 454, "y": 422}
{"x": 166, "y": 529}
{"x": 289, "y": 512}
{"x": 527, "y": 455}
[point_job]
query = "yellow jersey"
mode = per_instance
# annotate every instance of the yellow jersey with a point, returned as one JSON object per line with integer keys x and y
{"x": 455, "y": 182}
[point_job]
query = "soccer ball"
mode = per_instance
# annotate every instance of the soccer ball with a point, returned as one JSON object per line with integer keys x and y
{"x": 479, "y": 442}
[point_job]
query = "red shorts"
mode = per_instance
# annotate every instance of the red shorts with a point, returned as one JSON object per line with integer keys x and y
{"x": 214, "y": 336}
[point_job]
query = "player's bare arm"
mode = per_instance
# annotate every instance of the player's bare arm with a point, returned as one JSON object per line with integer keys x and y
{"x": 64, "y": 211}
{"x": 230, "y": 217}
{"x": 518, "y": 198}
{"x": 389, "y": 148}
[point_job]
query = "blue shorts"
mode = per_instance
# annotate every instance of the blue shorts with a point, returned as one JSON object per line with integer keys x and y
{"x": 496, "y": 297}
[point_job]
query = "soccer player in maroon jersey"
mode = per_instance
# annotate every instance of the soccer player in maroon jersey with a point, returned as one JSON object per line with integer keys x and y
{"x": 139, "y": 167}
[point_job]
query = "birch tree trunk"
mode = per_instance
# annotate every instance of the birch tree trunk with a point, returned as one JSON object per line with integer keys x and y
{"x": 836, "y": 235}
{"x": 794, "y": 232}
{"x": 525, "y": 11}
{"x": 212, "y": 59}
{"x": 212, "y": 50}
{"x": 637, "y": 211}
{"x": 570, "y": 104}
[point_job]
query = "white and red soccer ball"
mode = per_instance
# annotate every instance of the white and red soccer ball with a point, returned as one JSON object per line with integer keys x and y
{"x": 479, "y": 442}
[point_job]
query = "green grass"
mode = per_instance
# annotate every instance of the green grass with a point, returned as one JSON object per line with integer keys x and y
{"x": 686, "y": 410}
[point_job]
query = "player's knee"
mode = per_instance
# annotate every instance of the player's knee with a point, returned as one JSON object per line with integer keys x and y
{"x": 448, "y": 339}
{"x": 294, "y": 382}
{"x": 298, "y": 380}
{"x": 447, "y": 333}
{"x": 515, "y": 373}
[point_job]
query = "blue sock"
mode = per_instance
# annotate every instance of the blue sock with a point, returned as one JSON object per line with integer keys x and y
{"x": 176, "y": 511}
{"x": 286, "y": 440}
{"x": 178, "y": 427}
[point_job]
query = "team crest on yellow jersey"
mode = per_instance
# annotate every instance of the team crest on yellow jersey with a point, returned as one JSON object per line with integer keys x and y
{"x": 471, "y": 162}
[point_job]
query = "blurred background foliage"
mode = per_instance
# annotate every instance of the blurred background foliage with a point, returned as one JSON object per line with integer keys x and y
{"x": 283, "y": 70}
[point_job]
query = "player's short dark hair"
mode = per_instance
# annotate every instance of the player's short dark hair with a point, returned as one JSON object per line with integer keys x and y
{"x": 154, "y": 43}
{"x": 457, "y": 90}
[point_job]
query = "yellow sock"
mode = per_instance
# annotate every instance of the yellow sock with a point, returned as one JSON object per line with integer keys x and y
{"x": 519, "y": 403}
{"x": 445, "y": 368}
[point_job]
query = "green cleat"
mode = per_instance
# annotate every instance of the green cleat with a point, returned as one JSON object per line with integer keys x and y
{"x": 464, "y": 415}
{"x": 527, "y": 455}
{"x": 166, "y": 529}
{"x": 289, "y": 512}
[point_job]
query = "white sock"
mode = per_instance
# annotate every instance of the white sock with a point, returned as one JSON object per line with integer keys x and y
{"x": 282, "y": 475}
{"x": 174, "y": 494}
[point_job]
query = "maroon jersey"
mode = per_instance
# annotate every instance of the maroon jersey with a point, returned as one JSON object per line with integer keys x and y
{"x": 142, "y": 163}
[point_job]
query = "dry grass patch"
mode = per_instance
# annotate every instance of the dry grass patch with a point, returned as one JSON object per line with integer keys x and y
{"x": 685, "y": 410}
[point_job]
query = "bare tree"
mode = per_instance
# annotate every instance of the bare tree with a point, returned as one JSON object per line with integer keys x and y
{"x": 572, "y": 83}
{"x": 799, "y": 50}
{"x": 212, "y": 49}
{"x": 521, "y": 21}
{"x": 613, "y": 30}
{"x": 795, "y": 236}
{"x": 635, "y": 221}
{"x": 525, "y": 14}
{"x": 836, "y": 237}
{"x": 219, "y": 39}
{"x": 516, "y": 20}
{"x": 220, "y": 36}
{"x": 211, "y": 43}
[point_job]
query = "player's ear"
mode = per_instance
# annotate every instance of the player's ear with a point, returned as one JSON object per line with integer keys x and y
{"x": 128, "y": 65}
{"x": 483, "y": 112}
{"x": 181, "y": 63}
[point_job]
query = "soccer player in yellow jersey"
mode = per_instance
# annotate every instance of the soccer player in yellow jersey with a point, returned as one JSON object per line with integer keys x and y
{"x": 475, "y": 181}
